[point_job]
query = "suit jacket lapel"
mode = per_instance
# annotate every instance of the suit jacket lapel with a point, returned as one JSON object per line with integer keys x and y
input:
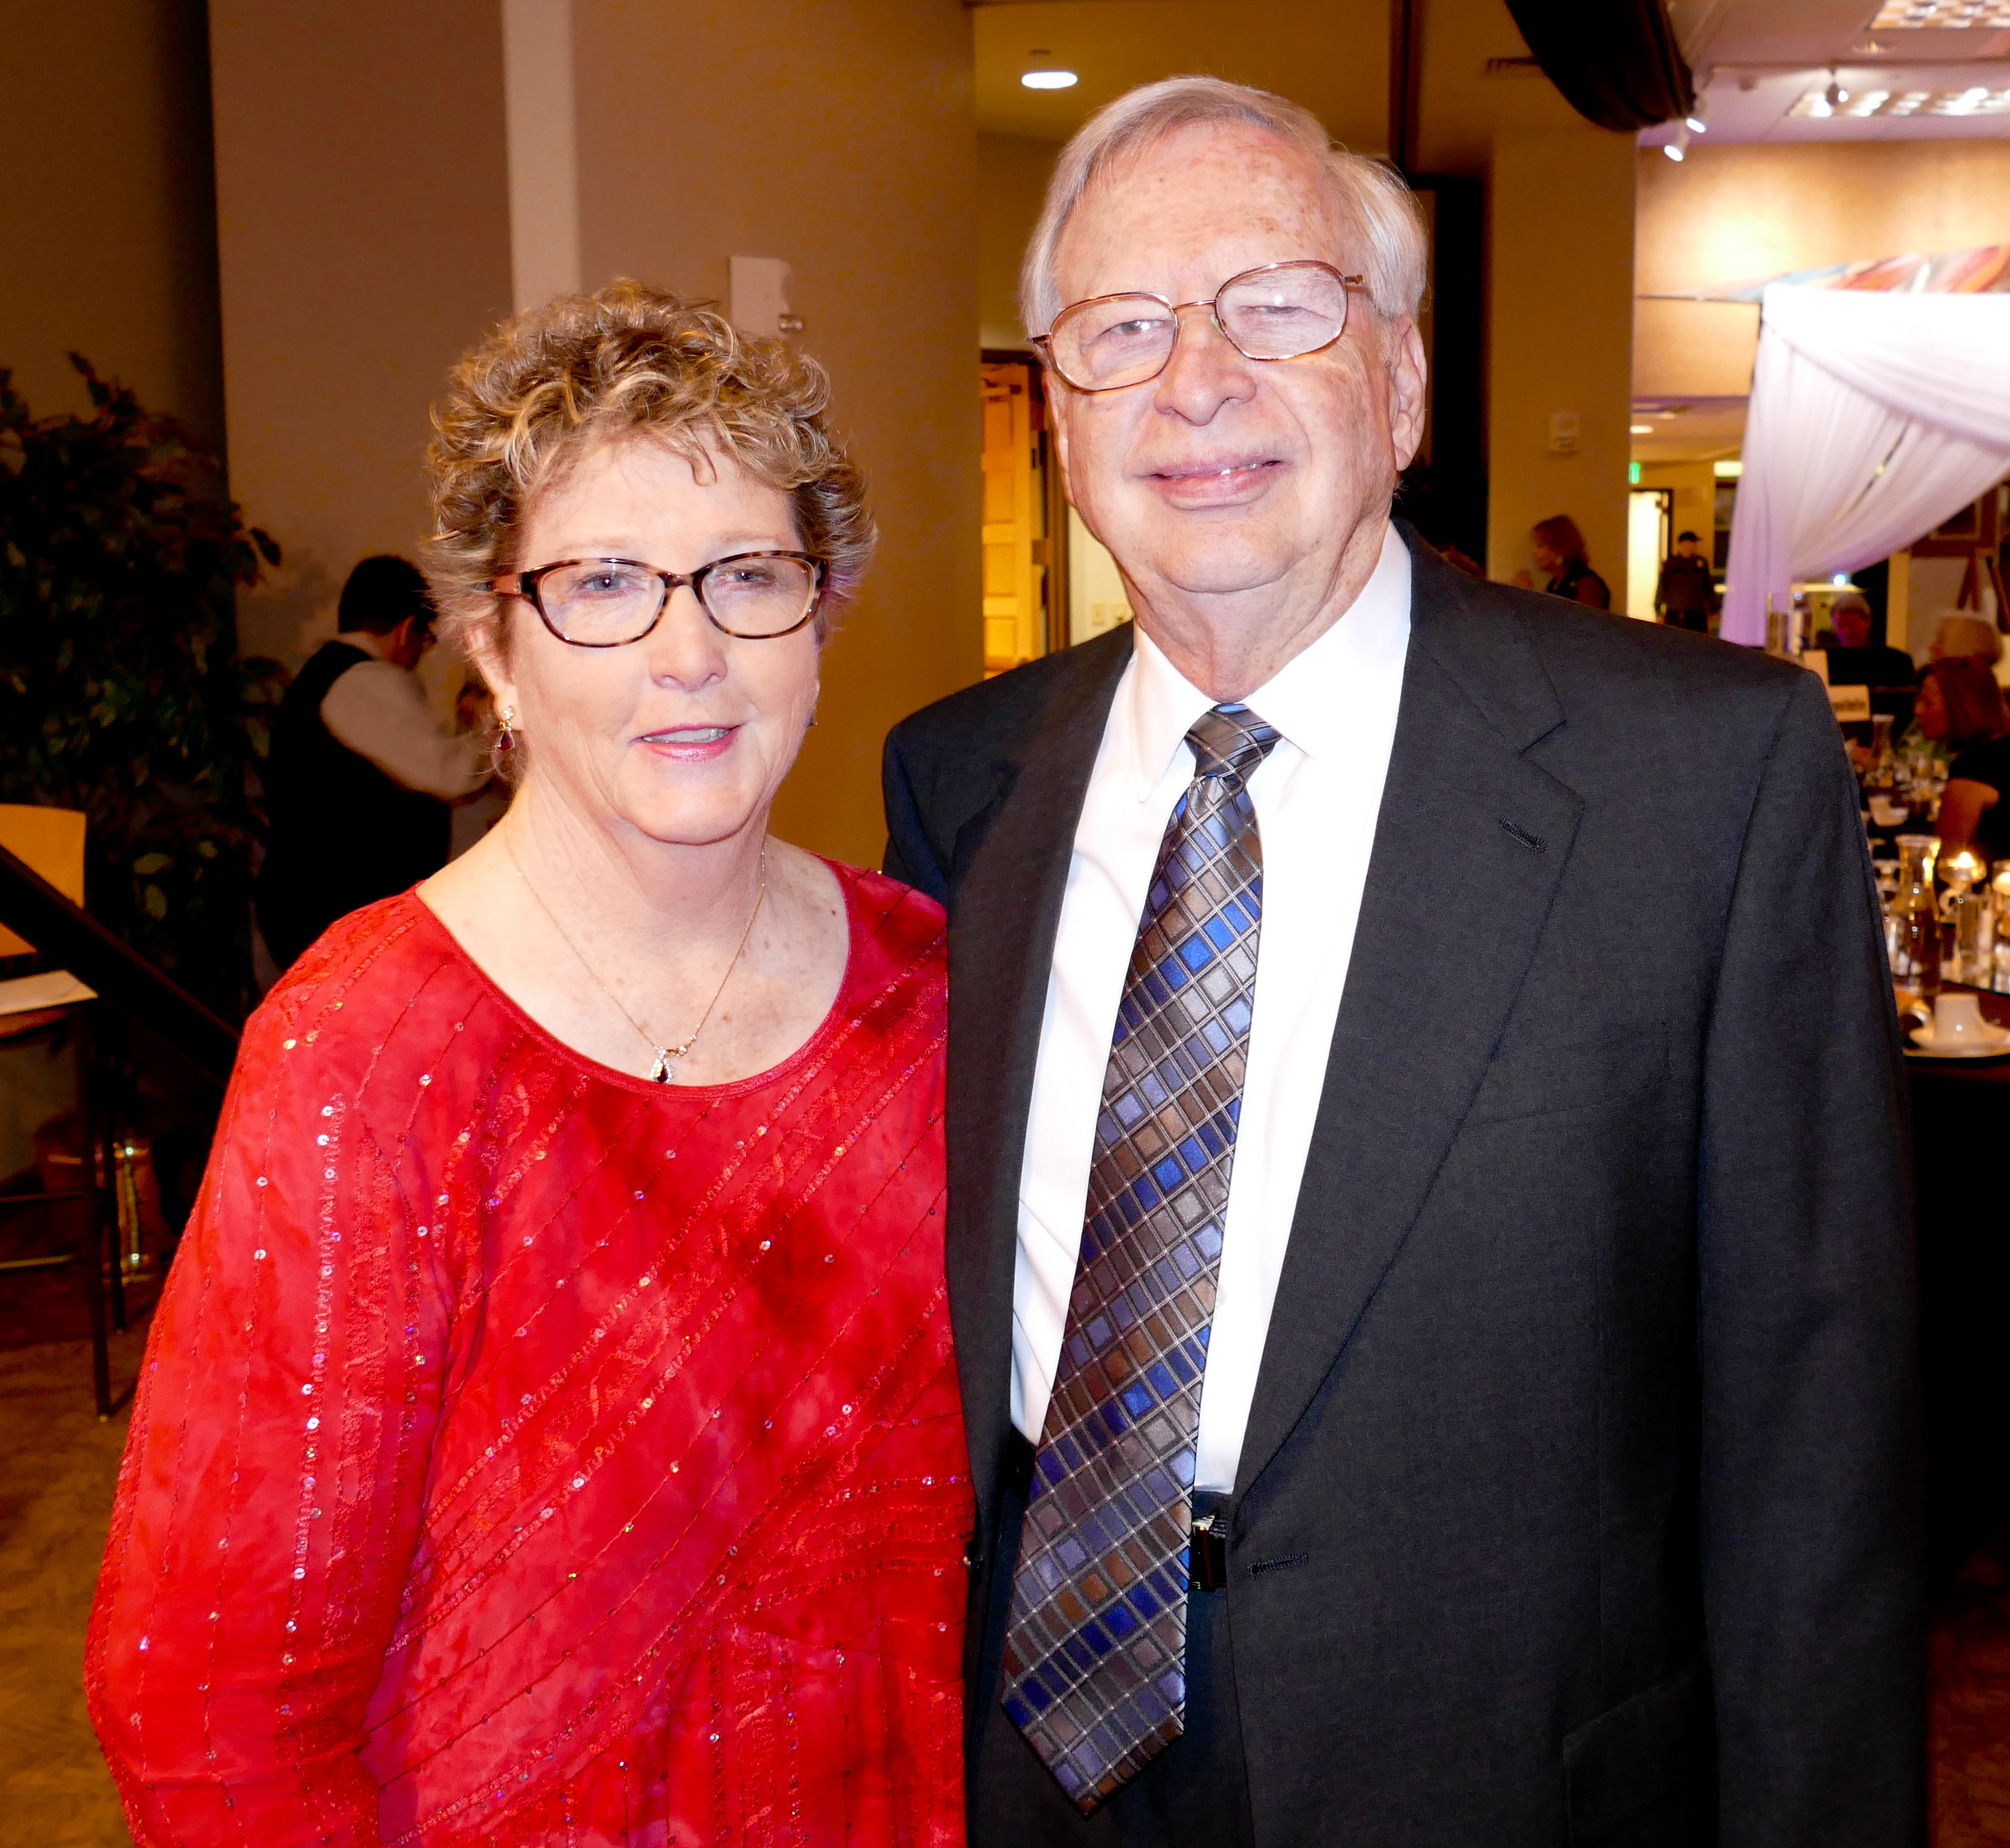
{"x": 1469, "y": 849}
{"x": 1009, "y": 877}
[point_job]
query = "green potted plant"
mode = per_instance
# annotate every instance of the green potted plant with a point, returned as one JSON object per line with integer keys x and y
{"x": 121, "y": 691}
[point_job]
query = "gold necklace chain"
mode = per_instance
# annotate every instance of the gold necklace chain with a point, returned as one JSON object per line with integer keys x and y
{"x": 662, "y": 1072}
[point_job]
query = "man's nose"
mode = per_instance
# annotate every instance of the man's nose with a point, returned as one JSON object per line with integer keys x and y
{"x": 1205, "y": 369}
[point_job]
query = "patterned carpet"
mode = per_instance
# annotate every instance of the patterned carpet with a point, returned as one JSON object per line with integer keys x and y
{"x": 58, "y": 1466}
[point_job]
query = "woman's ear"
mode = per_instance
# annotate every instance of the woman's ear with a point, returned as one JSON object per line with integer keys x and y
{"x": 489, "y": 659}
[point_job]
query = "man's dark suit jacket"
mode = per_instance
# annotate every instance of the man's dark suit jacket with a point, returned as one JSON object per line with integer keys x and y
{"x": 1578, "y": 1502}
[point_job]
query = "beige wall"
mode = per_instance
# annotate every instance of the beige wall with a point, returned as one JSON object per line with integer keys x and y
{"x": 1741, "y": 214}
{"x": 1012, "y": 173}
{"x": 107, "y": 212}
{"x": 364, "y": 222}
{"x": 1560, "y": 232}
{"x": 1693, "y": 499}
{"x": 842, "y": 139}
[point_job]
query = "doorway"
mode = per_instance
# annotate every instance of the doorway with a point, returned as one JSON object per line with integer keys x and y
{"x": 1649, "y": 515}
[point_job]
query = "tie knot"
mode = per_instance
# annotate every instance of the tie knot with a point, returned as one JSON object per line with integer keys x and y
{"x": 1230, "y": 740}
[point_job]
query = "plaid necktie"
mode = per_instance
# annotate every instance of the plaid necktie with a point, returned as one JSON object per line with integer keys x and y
{"x": 1095, "y": 1649}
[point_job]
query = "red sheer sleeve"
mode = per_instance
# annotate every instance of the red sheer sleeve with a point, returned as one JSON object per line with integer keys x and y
{"x": 271, "y": 1489}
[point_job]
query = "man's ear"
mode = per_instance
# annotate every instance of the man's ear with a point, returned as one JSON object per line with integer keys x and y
{"x": 1057, "y": 409}
{"x": 1402, "y": 348}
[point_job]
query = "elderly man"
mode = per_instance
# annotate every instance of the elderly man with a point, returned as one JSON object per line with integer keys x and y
{"x": 1427, "y": 1239}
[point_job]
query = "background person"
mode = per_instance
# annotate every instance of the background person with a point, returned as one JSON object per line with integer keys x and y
{"x": 1853, "y": 661}
{"x": 361, "y": 772}
{"x": 1560, "y": 554}
{"x": 1428, "y": 1240}
{"x": 1962, "y": 709}
{"x": 1685, "y": 596}
{"x": 1958, "y": 634}
{"x": 549, "y": 1431}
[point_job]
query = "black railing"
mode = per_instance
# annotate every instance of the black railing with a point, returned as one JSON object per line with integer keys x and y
{"x": 69, "y": 936}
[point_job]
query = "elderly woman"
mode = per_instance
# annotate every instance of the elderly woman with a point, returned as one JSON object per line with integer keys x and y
{"x": 549, "y": 1431}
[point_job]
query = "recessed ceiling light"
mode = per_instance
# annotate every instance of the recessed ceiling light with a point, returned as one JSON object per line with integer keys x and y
{"x": 1050, "y": 79}
{"x": 1976, "y": 99}
{"x": 1640, "y": 430}
{"x": 1941, "y": 16}
{"x": 1727, "y": 471}
{"x": 1673, "y": 149}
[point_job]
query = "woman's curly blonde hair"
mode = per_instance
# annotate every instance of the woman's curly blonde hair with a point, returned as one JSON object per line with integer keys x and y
{"x": 626, "y": 362}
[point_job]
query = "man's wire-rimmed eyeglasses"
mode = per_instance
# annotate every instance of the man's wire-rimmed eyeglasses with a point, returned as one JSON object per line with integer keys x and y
{"x": 607, "y": 602}
{"x": 1281, "y": 310}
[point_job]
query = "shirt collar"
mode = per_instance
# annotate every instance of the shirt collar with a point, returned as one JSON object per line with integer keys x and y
{"x": 1314, "y": 699}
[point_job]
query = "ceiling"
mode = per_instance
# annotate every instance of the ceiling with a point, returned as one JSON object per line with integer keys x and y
{"x": 1755, "y": 62}
{"x": 1332, "y": 55}
{"x": 1759, "y": 63}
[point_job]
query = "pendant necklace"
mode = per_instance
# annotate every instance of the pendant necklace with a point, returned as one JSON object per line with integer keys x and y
{"x": 662, "y": 1071}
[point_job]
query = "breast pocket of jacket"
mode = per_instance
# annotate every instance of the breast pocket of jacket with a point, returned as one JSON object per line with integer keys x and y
{"x": 1615, "y": 1063}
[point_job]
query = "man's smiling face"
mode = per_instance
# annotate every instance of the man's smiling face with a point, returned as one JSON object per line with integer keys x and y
{"x": 1226, "y": 475}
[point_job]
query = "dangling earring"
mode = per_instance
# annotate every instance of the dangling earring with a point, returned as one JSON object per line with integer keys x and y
{"x": 505, "y": 739}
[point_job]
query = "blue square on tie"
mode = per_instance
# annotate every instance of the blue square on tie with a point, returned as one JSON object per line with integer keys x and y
{"x": 1052, "y": 1467}
{"x": 1016, "y": 1711}
{"x": 1238, "y": 919}
{"x": 1143, "y": 1602}
{"x": 1168, "y": 1174}
{"x": 1211, "y": 1139}
{"x": 1155, "y": 1092}
{"x": 1144, "y": 1192}
{"x": 1208, "y": 1240}
{"x": 1096, "y": 1636}
{"x": 1031, "y": 1688}
{"x": 1129, "y": 1110}
{"x": 1156, "y": 1372}
{"x": 1235, "y": 1016}
{"x": 1193, "y": 1155}
{"x": 1120, "y": 1621}
{"x": 1180, "y": 1365}
{"x": 1196, "y": 953}
{"x": 1219, "y": 932}
{"x": 1174, "y": 977}
{"x": 1136, "y": 1401}
{"x": 1114, "y": 1418}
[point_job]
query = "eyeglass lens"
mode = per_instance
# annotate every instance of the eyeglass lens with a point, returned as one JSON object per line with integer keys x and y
{"x": 1273, "y": 313}
{"x": 602, "y": 602}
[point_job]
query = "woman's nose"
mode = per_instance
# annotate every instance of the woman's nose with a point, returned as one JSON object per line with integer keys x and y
{"x": 684, "y": 648}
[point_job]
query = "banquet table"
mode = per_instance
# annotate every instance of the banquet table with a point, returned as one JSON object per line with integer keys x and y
{"x": 1960, "y": 1129}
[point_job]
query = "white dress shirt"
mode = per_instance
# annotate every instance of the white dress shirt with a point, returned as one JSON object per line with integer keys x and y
{"x": 378, "y": 710}
{"x": 1316, "y": 797}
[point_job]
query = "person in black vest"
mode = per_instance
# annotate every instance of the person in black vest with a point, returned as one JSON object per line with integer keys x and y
{"x": 362, "y": 773}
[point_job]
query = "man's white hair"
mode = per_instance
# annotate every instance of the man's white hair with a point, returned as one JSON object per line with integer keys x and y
{"x": 1374, "y": 205}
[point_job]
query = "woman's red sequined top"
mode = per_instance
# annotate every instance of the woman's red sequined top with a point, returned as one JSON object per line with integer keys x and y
{"x": 527, "y": 1453}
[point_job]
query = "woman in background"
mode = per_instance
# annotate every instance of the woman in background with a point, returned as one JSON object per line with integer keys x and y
{"x": 1559, "y": 549}
{"x": 1960, "y": 708}
{"x": 549, "y": 1432}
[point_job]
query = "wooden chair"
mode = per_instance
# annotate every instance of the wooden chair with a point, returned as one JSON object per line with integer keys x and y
{"x": 49, "y": 842}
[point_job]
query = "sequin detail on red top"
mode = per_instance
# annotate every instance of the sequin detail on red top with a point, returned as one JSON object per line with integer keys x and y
{"x": 526, "y": 1454}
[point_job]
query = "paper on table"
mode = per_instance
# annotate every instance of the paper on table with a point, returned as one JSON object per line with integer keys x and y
{"x": 57, "y": 989}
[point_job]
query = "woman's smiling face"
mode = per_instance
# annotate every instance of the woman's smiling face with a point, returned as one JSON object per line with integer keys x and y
{"x": 684, "y": 735}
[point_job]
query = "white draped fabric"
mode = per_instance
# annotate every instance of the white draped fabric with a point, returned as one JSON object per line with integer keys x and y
{"x": 1874, "y": 419}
